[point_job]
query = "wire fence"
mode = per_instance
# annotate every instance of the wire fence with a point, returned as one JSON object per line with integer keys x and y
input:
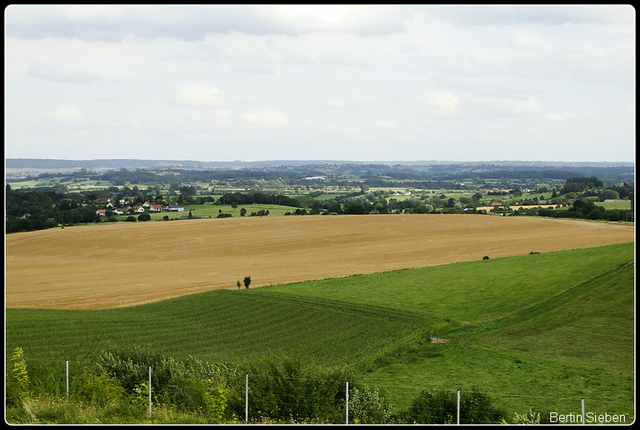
{"x": 297, "y": 397}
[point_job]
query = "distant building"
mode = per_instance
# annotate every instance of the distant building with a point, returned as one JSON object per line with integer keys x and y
{"x": 174, "y": 208}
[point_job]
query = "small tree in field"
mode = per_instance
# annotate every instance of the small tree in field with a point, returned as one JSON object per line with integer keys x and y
{"x": 238, "y": 284}
{"x": 247, "y": 281}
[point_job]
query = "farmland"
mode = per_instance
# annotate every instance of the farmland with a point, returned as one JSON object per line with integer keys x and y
{"x": 116, "y": 265}
{"x": 553, "y": 327}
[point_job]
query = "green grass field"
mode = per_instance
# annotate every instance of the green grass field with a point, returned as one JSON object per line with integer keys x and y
{"x": 540, "y": 330}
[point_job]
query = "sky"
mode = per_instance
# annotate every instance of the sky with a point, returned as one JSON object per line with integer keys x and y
{"x": 350, "y": 83}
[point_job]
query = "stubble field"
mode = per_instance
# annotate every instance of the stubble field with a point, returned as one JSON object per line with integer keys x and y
{"x": 122, "y": 264}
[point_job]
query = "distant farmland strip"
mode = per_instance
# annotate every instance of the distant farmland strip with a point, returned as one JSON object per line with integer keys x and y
{"x": 122, "y": 264}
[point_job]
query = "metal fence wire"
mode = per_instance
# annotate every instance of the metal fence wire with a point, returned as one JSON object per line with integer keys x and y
{"x": 297, "y": 399}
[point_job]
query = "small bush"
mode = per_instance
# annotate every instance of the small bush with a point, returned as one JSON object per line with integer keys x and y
{"x": 97, "y": 389}
{"x": 486, "y": 257}
{"x": 369, "y": 406}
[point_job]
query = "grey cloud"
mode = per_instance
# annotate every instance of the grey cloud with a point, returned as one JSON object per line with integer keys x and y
{"x": 189, "y": 23}
{"x": 58, "y": 73}
{"x": 545, "y": 15}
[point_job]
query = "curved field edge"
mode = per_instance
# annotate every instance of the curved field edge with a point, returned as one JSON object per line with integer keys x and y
{"x": 576, "y": 344}
{"x": 573, "y": 341}
{"x": 125, "y": 264}
{"x": 226, "y": 325}
{"x": 473, "y": 291}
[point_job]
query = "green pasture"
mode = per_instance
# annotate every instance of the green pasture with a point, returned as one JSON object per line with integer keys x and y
{"x": 535, "y": 331}
{"x": 577, "y": 344}
{"x": 473, "y": 291}
{"x": 225, "y": 325}
{"x": 620, "y": 205}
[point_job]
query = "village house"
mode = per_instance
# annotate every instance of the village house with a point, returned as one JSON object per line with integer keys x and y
{"x": 101, "y": 212}
{"x": 174, "y": 208}
{"x": 155, "y": 208}
{"x": 138, "y": 209}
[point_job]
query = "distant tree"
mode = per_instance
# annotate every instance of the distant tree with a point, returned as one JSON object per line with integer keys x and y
{"x": 238, "y": 284}
{"x": 608, "y": 194}
{"x": 243, "y": 212}
{"x": 144, "y": 217}
{"x": 247, "y": 281}
{"x": 165, "y": 218}
{"x": 131, "y": 218}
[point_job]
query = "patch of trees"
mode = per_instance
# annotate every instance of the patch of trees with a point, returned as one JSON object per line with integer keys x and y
{"x": 257, "y": 198}
{"x": 579, "y": 184}
{"x": 34, "y": 210}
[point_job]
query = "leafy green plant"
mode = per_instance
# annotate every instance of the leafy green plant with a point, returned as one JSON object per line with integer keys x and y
{"x": 527, "y": 418}
{"x": 369, "y": 406}
{"x": 20, "y": 373}
{"x": 97, "y": 389}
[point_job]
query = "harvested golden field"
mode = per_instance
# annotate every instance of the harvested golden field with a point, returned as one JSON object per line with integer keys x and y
{"x": 123, "y": 264}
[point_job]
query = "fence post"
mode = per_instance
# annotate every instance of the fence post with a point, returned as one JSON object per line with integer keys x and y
{"x": 582, "y": 401}
{"x": 149, "y": 391}
{"x": 347, "y": 403}
{"x": 67, "y": 378}
{"x": 458, "y": 421}
{"x": 246, "y": 399}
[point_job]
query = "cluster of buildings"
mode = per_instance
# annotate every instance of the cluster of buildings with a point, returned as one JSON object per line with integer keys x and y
{"x": 121, "y": 207}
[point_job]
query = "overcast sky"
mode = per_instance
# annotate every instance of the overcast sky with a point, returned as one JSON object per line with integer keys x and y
{"x": 360, "y": 83}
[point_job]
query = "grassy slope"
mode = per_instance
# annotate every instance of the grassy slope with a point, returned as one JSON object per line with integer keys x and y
{"x": 473, "y": 291}
{"x": 543, "y": 330}
{"x": 577, "y": 344}
{"x": 224, "y": 325}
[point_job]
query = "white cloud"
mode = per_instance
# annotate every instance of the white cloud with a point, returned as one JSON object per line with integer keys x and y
{"x": 558, "y": 117}
{"x": 265, "y": 117}
{"x": 523, "y": 40}
{"x": 58, "y": 73}
{"x": 631, "y": 107}
{"x": 383, "y": 123}
{"x": 261, "y": 69}
{"x": 199, "y": 95}
{"x": 337, "y": 104}
{"x": 122, "y": 121}
{"x": 351, "y": 129}
{"x": 440, "y": 103}
{"x": 325, "y": 126}
{"x": 409, "y": 49}
{"x": 341, "y": 60}
{"x": 65, "y": 114}
{"x": 491, "y": 106}
{"x": 223, "y": 116}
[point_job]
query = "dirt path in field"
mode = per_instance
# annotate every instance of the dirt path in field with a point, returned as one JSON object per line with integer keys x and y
{"x": 123, "y": 264}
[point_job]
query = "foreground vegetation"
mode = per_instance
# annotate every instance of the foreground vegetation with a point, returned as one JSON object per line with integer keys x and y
{"x": 534, "y": 332}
